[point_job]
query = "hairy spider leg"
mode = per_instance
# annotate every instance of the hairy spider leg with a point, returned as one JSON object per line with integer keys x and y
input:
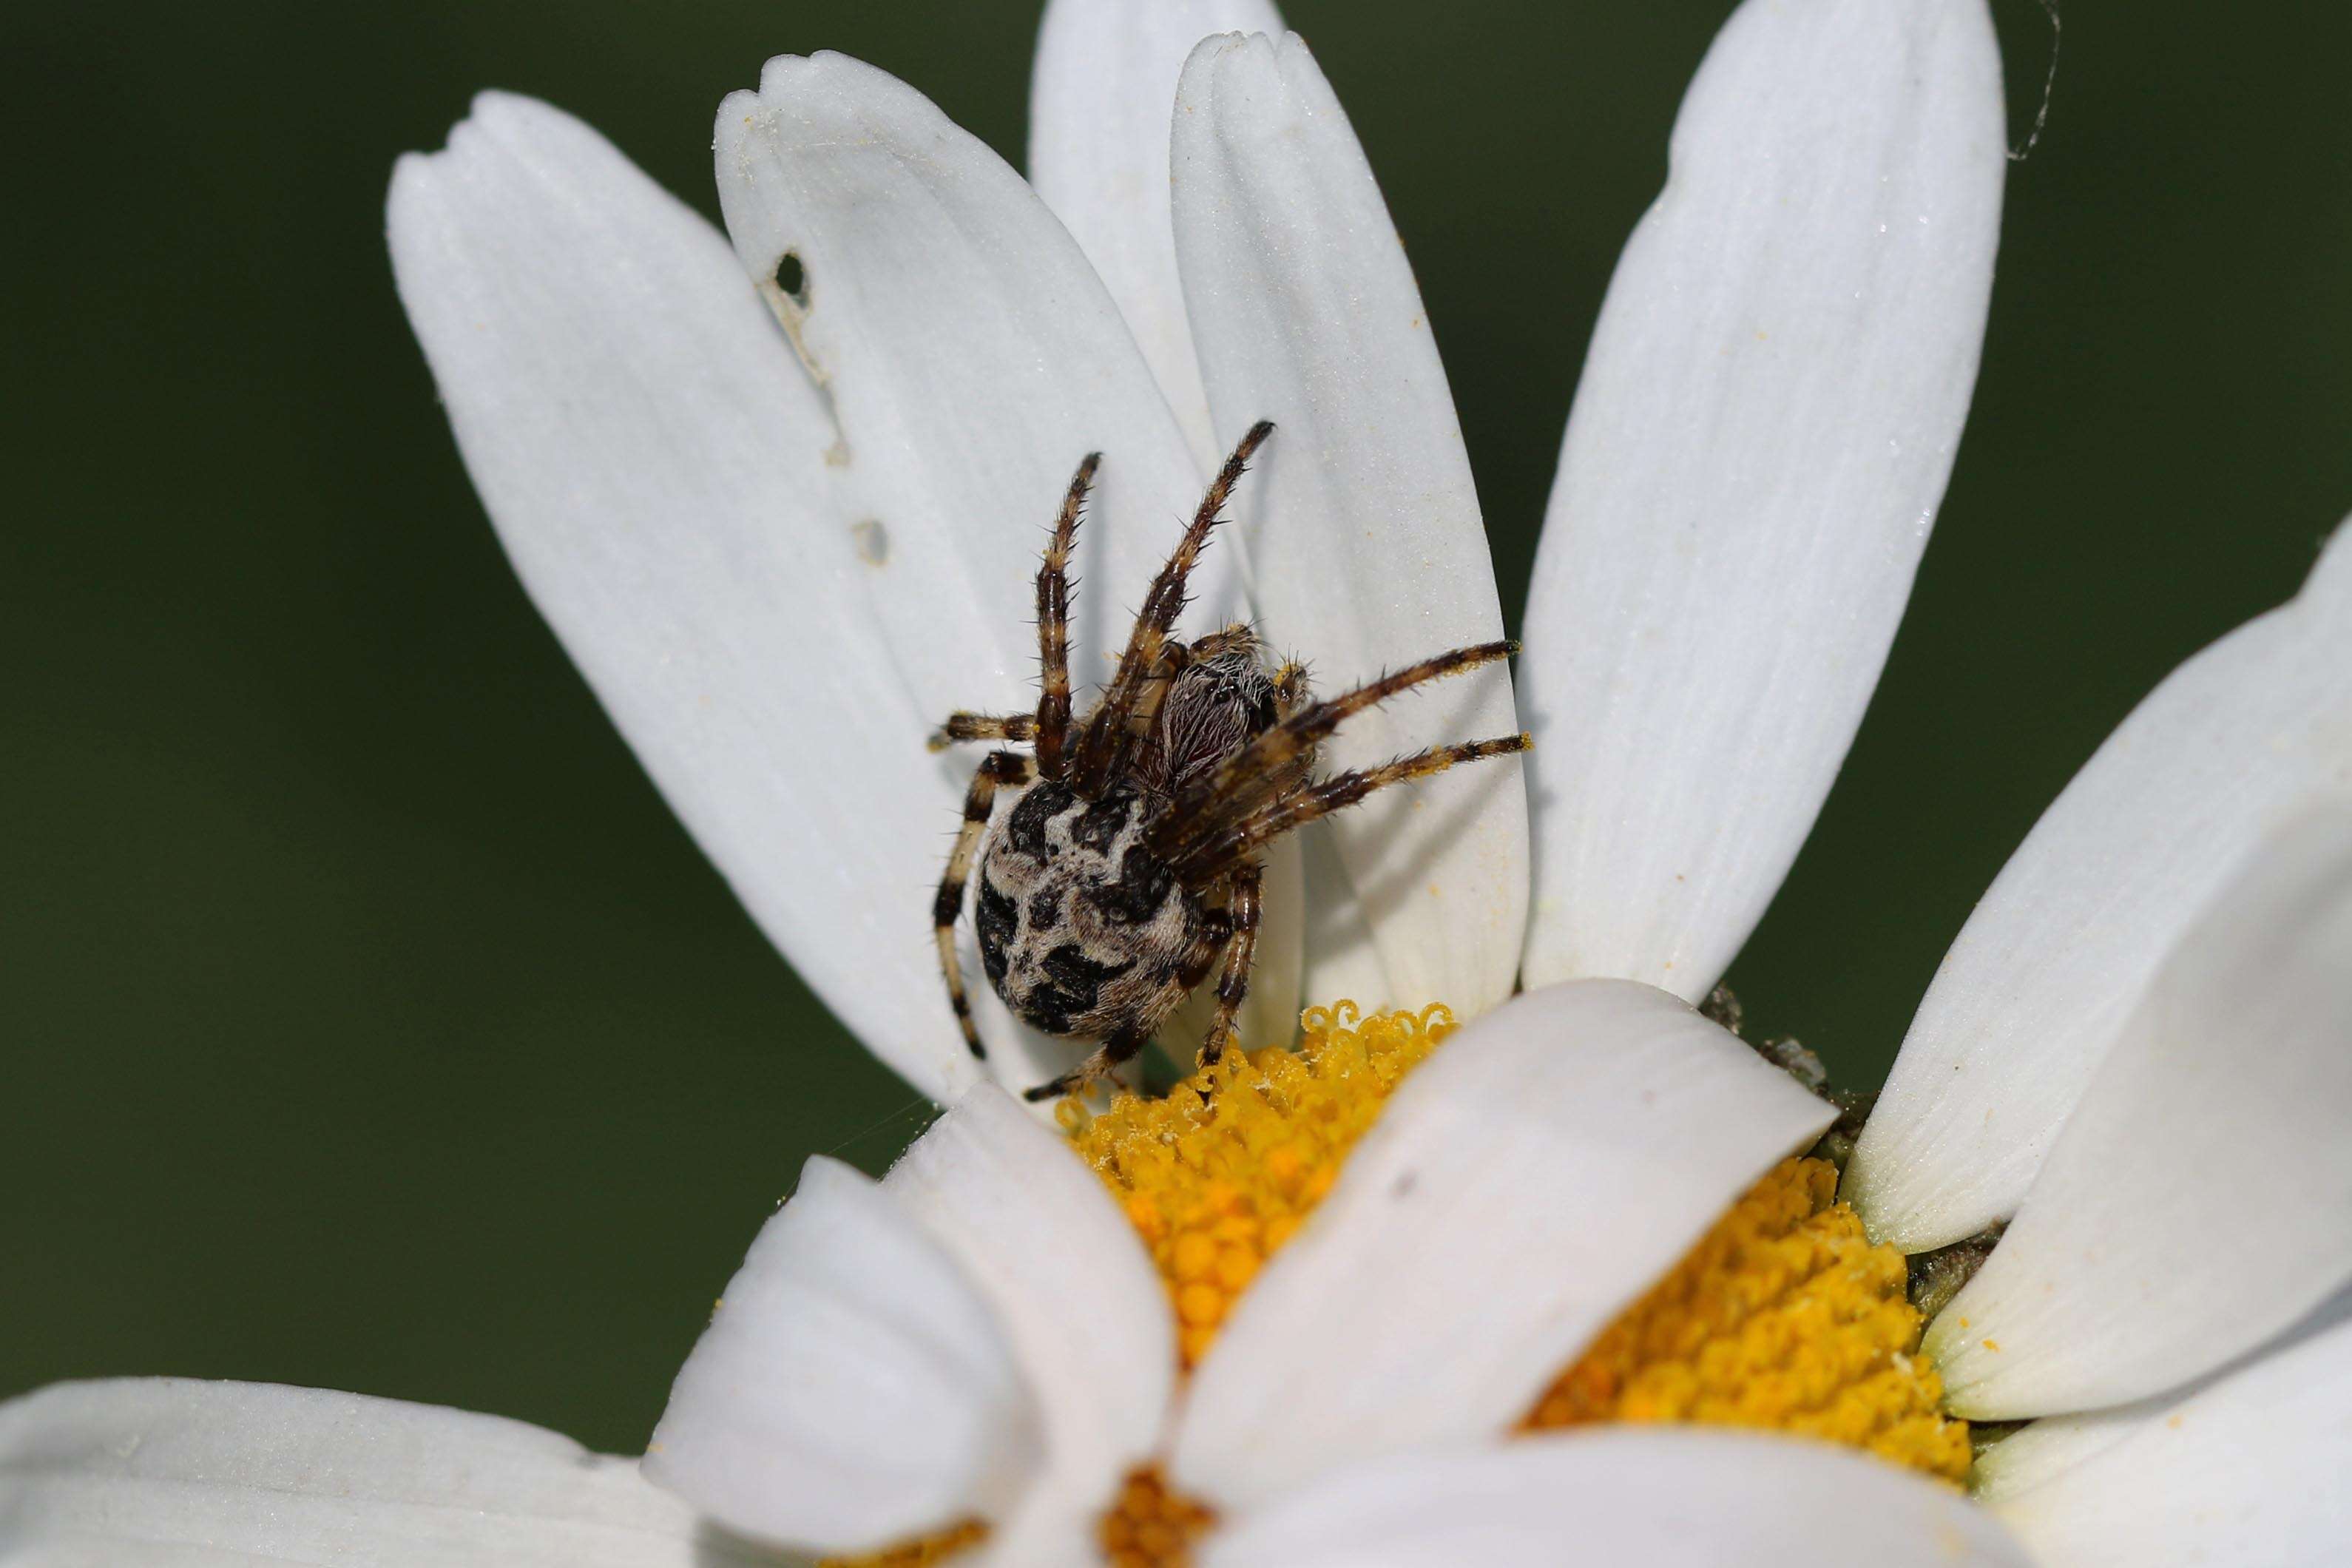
{"x": 1291, "y": 697}
{"x": 1121, "y": 1048}
{"x": 1241, "y": 954}
{"x": 1336, "y": 792}
{"x": 1175, "y": 654}
{"x": 1290, "y": 687}
{"x": 1205, "y": 809}
{"x": 1107, "y": 733}
{"x": 998, "y": 770}
{"x": 1053, "y": 625}
{"x": 1051, "y": 721}
{"x": 967, "y": 726}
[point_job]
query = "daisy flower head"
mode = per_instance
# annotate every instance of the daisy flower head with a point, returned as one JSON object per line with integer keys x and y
{"x": 1520, "y": 1295}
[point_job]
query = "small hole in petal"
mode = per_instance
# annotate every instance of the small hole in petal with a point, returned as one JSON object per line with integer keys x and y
{"x": 792, "y": 278}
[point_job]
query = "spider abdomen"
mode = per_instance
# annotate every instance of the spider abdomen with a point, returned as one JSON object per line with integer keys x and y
{"x": 1083, "y": 931}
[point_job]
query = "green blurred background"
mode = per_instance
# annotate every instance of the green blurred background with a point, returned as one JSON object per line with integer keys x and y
{"x": 367, "y": 1020}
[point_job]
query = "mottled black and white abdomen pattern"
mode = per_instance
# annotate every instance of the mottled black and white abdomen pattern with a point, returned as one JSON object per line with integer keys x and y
{"x": 1083, "y": 931}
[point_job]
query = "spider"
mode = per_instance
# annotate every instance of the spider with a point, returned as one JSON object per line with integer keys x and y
{"x": 1128, "y": 866}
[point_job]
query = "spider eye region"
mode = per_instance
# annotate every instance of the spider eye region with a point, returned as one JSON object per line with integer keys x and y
{"x": 1082, "y": 929}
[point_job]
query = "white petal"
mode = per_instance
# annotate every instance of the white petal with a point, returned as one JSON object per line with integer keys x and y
{"x": 743, "y": 559}
{"x": 1340, "y": 960}
{"x": 1054, "y": 1528}
{"x": 1539, "y": 1172}
{"x": 967, "y": 347}
{"x": 2199, "y": 1199}
{"x": 2029, "y": 998}
{"x": 972, "y": 357}
{"x": 655, "y": 462}
{"x": 2039, "y": 1450}
{"x": 854, "y": 1389}
{"x": 1366, "y": 547}
{"x": 1099, "y": 102}
{"x": 1661, "y": 1498}
{"x": 1270, "y": 1011}
{"x": 177, "y": 1473}
{"x": 2250, "y": 1471}
{"x": 653, "y": 459}
{"x": 1767, "y": 417}
{"x": 1087, "y": 1314}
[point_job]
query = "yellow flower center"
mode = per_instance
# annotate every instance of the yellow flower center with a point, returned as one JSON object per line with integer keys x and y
{"x": 1782, "y": 1318}
{"x": 1151, "y": 1526}
{"x": 1219, "y": 1174}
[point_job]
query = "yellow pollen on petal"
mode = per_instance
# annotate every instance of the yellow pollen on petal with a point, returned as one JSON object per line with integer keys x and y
{"x": 1784, "y": 1317}
{"x": 1218, "y": 1175}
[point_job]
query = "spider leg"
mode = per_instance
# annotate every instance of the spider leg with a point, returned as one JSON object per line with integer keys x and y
{"x": 1218, "y": 855}
{"x": 998, "y": 769}
{"x": 1241, "y": 953}
{"x": 1053, "y": 726}
{"x": 1107, "y": 730}
{"x": 1206, "y": 808}
{"x": 1290, "y": 688}
{"x": 962, "y": 726}
{"x": 1123, "y": 1046}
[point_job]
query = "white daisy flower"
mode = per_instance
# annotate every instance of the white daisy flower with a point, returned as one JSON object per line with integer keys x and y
{"x": 977, "y": 1358}
{"x": 876, "y": 394}
{"x": 1488, "y": 1266}
{"x": 2164, "y": 1292}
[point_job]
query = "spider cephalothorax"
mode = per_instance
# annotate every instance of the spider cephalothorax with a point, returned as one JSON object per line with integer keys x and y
{"x": 1129, "y": 867}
